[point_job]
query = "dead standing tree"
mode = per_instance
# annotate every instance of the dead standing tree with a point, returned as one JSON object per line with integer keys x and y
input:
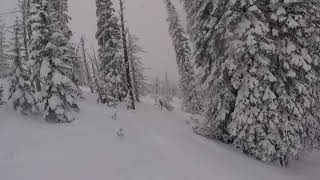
{"x": 126, "y": 56}
{"x": 86, "y": 63}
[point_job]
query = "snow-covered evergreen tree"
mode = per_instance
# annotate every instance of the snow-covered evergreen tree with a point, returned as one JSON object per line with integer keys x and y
{"x": 50, "y": 64}
{"x": 260, "y": 65}
{"x": 61, "y": 9}
{"x": 112, "y": 79}
{"x": 20, "y": 90}
{"x": 296, "y": 24}
{"x": 191, "y": 96}
{"x": 61, "y": 14}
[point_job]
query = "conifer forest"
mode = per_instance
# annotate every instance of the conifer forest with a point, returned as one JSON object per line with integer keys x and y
{"x": 159, "y": 89}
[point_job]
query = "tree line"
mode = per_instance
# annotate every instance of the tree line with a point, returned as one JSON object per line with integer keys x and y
{"x": 46, "y": 70}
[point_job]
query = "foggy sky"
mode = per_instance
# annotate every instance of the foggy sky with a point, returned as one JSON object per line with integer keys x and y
{"x": 145, "y": 18}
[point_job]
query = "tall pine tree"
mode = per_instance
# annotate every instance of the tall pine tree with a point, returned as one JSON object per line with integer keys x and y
{"x": 61, "y": 11}
{"x": 191, "y": 96}
{"x": 50, "y": 64}
{"x": 61, "y": 14}
{"x": 112, "y": 79}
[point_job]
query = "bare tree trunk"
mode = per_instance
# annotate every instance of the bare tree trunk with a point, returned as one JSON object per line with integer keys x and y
{"x": 81, "y": 78}
{"x": 94, "y": 71}
{"x": 134, "y": 78}
{"x": 86, "y": 63}
{"x": 25, "y": 29}
{"x": 28, "y": 8}
{"x": 27, "y": 33}
{"x": 95, "y": 58}
{"x": 126, "y": 58}
{"x": 2, "y": 38}
{"x": 94, "y": 62}
{"x": 95, "y": 75}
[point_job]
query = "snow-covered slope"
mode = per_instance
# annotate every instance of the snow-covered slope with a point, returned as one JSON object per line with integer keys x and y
{"x": 157, "y": 145}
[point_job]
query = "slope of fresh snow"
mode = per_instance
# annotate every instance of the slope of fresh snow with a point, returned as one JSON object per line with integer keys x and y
{"x": 157, "y": 145}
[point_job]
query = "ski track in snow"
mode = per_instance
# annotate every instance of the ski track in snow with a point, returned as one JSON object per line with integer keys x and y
{"x": 157, "y": 145}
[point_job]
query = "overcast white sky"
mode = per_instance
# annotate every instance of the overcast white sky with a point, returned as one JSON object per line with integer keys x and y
{"x": 145, "y": 18}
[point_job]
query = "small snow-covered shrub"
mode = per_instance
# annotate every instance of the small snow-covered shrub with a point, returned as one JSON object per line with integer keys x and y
{"x": 164, "y": 103}
{"x": 120, "y": 132}
{"x": 115, "y": 116}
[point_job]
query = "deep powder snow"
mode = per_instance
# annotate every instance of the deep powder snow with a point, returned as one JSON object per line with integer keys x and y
{"x": 157, "y": 145}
